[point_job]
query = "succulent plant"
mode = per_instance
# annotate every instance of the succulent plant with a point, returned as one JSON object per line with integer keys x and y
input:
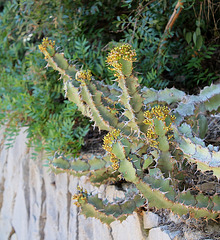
{"x": 155, "y": 139}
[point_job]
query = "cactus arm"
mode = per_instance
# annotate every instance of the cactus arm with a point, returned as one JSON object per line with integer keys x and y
{"x": 90, "y": 211}
{"x": 169, "y": 96}
{"x": 96, "y": 116}
{"x": 108, "y": 212}
{"x": 82, "y": 92}
{"x": 125, "y": 100}
{"x": 195, "y": 152}
{"x": 121, "y": 60}
{"x": 209, "y": 96}
{"x": 74, "y": 96}
{"x": 95, "y": 166}
{"x": 198, "y": 206}
{"x": 156, "y": 198}
{"x": 158, "y": 191}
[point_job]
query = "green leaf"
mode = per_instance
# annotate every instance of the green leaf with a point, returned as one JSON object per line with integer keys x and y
{"x": 198, "y": 31}
{"x": 188, "y": 37}
{"x": 194, "y": 37}
{"x": 199, "y": 42}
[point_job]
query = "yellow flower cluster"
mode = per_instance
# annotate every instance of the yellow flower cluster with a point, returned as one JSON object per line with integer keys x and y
{"x": 161, "y": 113}
{"x": 114, "y": 160}
{"x": 81, "y": 196}
{"x": 83, "y": 75}
{"x": 43, "y": 47}
{"x": 122, "y": 52}
{"x": 152, "y": 136}
{"x": 109, "y": 139}
{"x": 107, "y": 145}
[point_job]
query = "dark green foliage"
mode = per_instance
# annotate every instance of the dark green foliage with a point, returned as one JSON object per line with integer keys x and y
{"x": 29, "y": 95}
{"x": 188, "y": 57}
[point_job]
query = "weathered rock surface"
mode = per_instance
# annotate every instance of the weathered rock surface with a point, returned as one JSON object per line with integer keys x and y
{"x": 151, "y": 220}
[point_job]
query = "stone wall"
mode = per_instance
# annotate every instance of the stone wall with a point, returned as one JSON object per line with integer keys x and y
{"x": 35, "y": 204}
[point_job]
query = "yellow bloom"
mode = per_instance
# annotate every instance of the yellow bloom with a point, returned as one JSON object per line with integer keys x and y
{"x": 122, "y": 52}
{"x": 109, "y": 139}
{"x": 46, "y": 44}
{"x": 107, "y": 145}
{"x": 83, "y": 74}
{"x": 80, "y": 197}
{"x": 161, "y": 113}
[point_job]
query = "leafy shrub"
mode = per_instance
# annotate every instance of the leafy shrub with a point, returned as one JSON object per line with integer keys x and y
{"x": 190, "y": 50}
{"x": 29, "y": 95}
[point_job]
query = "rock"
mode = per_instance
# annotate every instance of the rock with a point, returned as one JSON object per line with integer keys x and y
{"x": 127, "y": 230}
{"x": 91, "y": 228}
{"x": 73, "y": 210}
{"x": 14, "y": 237}
{"x": 20, "y": 212}
{"x": 10, "y": 177}
{"x": 36, "y": 197}
{"x": 174, "y": 218}
{"x": 112, "y": 193}
{"x": 158, "y": 234}
{"x": 150, "y": 219}
{"x": 176, "y": 235}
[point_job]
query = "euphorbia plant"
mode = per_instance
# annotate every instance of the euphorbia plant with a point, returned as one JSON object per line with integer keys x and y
{"x": 153, "y": 140}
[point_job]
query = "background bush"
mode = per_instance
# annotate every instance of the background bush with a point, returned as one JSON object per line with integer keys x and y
{"x": 33, "y": 97}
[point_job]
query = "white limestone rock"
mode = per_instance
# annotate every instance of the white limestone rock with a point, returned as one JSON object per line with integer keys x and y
{"x": 10, "y": 182}
{"x": 158, "y": 233}
{"x": 20, "y": 214}
{"x": 192, "y": 235}
{"x": 129, "y": 229}
{"x": 150, "y": 220}
{"x": 113, "y": 193}
{"x": 92, "y": 229}
{"x": 36, "y": 197}
{"x": 14, "y": 237}
{"x": 73, "y": 210}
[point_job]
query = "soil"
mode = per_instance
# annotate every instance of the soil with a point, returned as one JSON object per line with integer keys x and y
{"x": 93, "y": 141}
{"x": 213, "y": 133}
